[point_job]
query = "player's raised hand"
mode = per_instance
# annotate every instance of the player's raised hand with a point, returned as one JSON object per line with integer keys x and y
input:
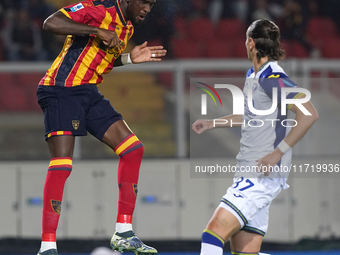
{"x": 200, "y": 126}
{"x": 143, "y": 53}
{"x": 109, "y": 38}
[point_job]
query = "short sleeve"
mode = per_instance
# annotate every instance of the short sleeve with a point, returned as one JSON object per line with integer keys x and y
{"x": 277, "y": 80}
{"x": 84, "y": 12}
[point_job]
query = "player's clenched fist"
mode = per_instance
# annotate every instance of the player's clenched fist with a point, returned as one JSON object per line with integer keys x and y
{"x": 109, "y": 38}
{"x": 200, "y": 126}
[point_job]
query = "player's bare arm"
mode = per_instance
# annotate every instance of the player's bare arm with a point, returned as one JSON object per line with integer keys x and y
{"x": 58, "y": 23}
{"x": 199, "y": 126}
{"x": 304, "y": 122}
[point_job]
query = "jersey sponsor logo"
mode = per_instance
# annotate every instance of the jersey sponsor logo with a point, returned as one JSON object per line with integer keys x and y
{"x": 114, "y": 50}
{"x": 77, "y": 7}
{"x": 274, "y": 76}
{"x": 56, "y": 206}
{"x": 75, "y": 124}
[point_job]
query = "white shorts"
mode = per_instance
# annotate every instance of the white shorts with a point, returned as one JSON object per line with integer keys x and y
{"x": 249, "y": 200}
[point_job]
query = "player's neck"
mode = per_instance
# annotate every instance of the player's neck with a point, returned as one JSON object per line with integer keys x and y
{"x": 258, "y": 65}
{"x": 123, "y": 5}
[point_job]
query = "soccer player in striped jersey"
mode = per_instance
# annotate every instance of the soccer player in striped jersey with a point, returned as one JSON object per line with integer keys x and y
{"x": 242, "y": 216}
{"x": 97, "y": 34}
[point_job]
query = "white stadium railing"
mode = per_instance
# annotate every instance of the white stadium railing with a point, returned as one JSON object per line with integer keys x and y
{"x": 299, "y": 69}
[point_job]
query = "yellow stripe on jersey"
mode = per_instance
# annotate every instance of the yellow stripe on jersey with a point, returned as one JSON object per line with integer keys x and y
{"x": 274, "y": 76}
{"x": 214, "y": 234}
{"x": 126, "y": 144}
{"x": 58, "y": 162}
{"x": 105, "y": 61}
{"x": 90, "y": 55}
{"x": 296, "y": 96}
{"x": 109, "y": 57}
{"x": 65, "y": 12}
{"x": 57, "y": 62}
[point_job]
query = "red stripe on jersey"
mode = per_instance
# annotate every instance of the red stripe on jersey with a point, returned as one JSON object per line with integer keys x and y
{"x": 70, "y": 78}
{"x": 110, "y": 65}
{"x": 94, "y": 64}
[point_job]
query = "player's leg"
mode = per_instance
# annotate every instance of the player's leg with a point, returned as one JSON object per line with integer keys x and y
{"x": 249, "y": 239}
{"x": 244, "y": 242}
{"x": 220, "y": 228}
{"x": 60, "y": 167}
{"x": 64, "y": 118}
{"x": 130, "y": 151}
{"x": 103, "y": 122}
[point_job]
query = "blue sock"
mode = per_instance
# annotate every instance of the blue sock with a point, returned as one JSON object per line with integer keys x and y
{"x": 212, "y": 244}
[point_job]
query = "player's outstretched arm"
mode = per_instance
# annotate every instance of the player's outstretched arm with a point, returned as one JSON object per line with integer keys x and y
{"x": 58, "y": 23}
{"x": 143, "y": 53}
{"x": 304, "y": 122}
{"x": 199, "y": 126}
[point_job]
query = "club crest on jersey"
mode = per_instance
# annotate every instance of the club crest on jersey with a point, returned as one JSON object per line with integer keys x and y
{"x": 56, "y": 206}
{"x": 112, "y": 51}
{"x": 135, "y": 190}
{"x": 75, "y": 124}
{"x": 77, "y": 7}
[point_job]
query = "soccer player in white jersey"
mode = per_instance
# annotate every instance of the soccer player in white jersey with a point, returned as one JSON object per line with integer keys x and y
{"x": 242, "y": 216}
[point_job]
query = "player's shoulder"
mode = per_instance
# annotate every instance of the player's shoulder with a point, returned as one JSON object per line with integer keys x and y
{"x": 273, "y": 70}
{"x": 250, "y": 72}
{"x": 105, "y": 3}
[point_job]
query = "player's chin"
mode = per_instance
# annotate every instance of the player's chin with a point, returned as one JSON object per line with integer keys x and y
{"x": 137, "y": 21}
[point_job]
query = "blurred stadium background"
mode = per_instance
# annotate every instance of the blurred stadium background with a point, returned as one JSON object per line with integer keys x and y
{"x": 204, "y": 39}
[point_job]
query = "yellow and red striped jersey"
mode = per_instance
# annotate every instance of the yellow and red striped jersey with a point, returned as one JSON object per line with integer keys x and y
{"x": 84, "y": 58}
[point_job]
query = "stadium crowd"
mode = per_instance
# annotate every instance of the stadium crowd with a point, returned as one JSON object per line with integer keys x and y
{"x": 187, "y": 28}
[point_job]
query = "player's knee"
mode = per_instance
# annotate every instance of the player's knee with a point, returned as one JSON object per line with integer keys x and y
{"x": 130, "y": 146}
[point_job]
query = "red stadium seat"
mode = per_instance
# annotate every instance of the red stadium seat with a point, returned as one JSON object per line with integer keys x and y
{"x": 12, "y": 98}
{"x": 186, "y": 48}
{"x": 166, "y": 79}
{"x": 287, "y": 47}
{"x": 318, "y": 28}
{"x": 218, "y": 49}
{"x": 201, "y": 30}
{"x": 180, "y": 26}
{"x": 229, "y": 29}
{"x": 155, "y": 42}
{"x": 331, "y": 48}
{"x": 298, "y": 50}
{"x": 239, "y": 49}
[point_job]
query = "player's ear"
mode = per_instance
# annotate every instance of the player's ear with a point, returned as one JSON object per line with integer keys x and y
{"x": 251, "y": 43}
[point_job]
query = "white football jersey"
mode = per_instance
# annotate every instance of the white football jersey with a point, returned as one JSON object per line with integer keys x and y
{"x": 262, "y": 133}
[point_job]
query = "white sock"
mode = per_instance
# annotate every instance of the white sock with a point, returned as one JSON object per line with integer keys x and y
{"x": 47, "y": 246}
{"x": 209, "y": 249}
{"x": 123, "y": 227}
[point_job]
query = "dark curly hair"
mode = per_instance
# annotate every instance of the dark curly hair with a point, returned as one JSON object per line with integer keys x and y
{"x": 266, "y": 35}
